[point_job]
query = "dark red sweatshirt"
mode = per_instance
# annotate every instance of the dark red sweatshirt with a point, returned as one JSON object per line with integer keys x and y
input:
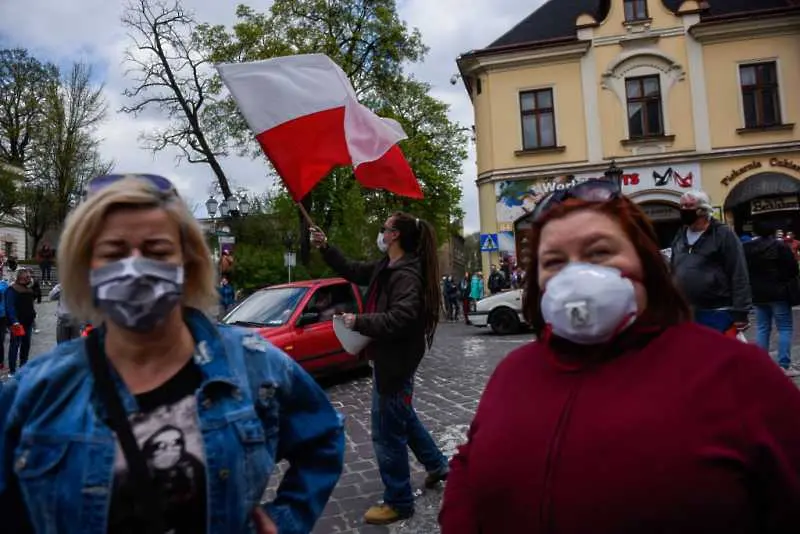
{"x": 683, "y": 432}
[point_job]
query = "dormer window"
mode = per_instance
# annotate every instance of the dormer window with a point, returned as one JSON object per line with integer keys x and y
{"x": 635, "y": 10}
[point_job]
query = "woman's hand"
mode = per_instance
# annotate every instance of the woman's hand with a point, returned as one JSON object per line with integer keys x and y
{"x": 349, "y": 320}
{"x": 264, "y": 524}
{"x": 318, "y": 237}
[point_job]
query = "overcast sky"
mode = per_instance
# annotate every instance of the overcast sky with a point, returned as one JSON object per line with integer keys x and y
{"x": 62, "y": 32}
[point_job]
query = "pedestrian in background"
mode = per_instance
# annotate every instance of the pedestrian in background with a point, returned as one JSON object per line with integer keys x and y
{"x": 3, "y": 322}
{"x": 497, "y": 280}
{"x": 623, "y": 416}
{"x": 401, "y": 315}
{"x": 159, "y": 421}
{"x": 21, "y": 314}
{"x": 464, "y": 287}
{"x": 773, "y": 277}
{"x": 794, "y": 245}
{"x": 453, "y": 297}
{"x": 11, "y": 269}
{"x": 226, "y": 264}
{"x": 709, "y": 266}
{"x": 46, "y": 256}
{"x": 67, "y": 327}
{"x": 227, "y": 294}
{"x": 476, "y": 289}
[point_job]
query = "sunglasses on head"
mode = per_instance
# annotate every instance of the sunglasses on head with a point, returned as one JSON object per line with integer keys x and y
{"x": 596, "y": 190}
{"x": 159, "y": 183}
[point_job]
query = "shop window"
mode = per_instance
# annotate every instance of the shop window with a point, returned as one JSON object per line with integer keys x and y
{"x": 760, "y": 98}
{"x": 645, "y": 116}
{"x": 538, "y": 119}
{"x": 635, "y": 10}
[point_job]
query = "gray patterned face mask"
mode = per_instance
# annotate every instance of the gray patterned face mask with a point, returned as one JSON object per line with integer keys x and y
{"x": 137, "y": 293}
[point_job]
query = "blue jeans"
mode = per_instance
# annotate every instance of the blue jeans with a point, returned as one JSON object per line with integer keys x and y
{"x": 19, "y": 348}
{"x": 719, "y": 320}
{"x": 395, "y": 428}
{"x": 782, "y": 313}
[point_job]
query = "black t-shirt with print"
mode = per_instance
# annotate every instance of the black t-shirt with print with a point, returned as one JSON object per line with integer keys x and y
{"x": 168, "y": 432}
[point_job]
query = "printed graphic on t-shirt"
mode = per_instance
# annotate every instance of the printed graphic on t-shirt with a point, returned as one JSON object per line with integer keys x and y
{"x": 171, "y": 441}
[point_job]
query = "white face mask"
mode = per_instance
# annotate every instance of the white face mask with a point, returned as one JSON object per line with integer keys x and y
{"x": 589, "y": 304}
{"x": 382, "y": 246}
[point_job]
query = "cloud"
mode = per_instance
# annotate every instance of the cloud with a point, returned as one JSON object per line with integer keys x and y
{"x": 91, "y": 30}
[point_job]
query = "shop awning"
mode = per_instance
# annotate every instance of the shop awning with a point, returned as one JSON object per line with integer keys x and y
{"x": 763, "y": 184}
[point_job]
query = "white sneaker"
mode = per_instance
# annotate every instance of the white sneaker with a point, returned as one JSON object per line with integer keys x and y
{"x": 10, "y": 375}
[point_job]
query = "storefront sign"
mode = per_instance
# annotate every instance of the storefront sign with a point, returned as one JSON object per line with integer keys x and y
{"x": 661, "y": 212}
{"x": 736, "y": 173}
{"x": 785, "y": 163}
{"x": 518, "y": 197}
{"x": 768, "y": 205}
{"x": 755, "y": 165}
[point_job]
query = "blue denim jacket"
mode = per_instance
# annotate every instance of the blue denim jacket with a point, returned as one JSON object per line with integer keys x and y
{"x": 256, "y": 406}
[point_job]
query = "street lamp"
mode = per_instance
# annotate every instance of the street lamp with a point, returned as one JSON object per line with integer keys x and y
{"x": 244, "y": 206}
{"x": 211, "y": 206}
{"x": 614, "y": 173}
{"x": 289, "y": 258}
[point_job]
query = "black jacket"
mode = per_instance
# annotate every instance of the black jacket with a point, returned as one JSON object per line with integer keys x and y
{"x": 772, "y": 266}
{"x": 712, "y": 273}
{"x": 396, "y": 326}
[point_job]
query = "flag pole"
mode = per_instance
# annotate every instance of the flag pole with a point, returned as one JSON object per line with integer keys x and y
{"x": 305, "y": 215}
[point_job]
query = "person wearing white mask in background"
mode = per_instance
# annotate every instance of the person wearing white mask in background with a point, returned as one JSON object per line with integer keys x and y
{"x": 401, "y": 314}
{"x": 624, "y": 415}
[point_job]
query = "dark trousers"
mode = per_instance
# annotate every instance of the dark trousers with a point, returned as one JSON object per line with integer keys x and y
{"x": 66, "y": 330}
{"x": 395, "y": 429}
{"x": 465, "y": 303}
{"x": 3, "y": 327}
{"x": 19, "y": 348}
{"x": 47, "y": 271}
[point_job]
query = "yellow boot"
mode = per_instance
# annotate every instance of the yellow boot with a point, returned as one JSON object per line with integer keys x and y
{"x": 383, "y": 514}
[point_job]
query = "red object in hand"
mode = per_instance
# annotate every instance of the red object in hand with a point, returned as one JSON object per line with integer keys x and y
{"x": 17, "y": 330}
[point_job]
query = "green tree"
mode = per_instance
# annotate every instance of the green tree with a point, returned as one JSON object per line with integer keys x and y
{"x": 10, "y": 183}
{"x": 472, "y": 252}
{"x": 24, "y": 81}
{"x": 372, "y": 45}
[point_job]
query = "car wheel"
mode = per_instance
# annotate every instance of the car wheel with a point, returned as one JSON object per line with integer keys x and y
{"x": 504, "y": 322}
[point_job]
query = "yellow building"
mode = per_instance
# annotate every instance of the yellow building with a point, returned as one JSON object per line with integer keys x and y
{"x": 680, "y": 94}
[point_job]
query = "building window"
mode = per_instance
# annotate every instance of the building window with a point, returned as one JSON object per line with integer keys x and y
{"x": 635, "y": 10}
{"x": 645, "y": 118}
{"x": 760, "y": 95}
{"x": 538, "y": 119}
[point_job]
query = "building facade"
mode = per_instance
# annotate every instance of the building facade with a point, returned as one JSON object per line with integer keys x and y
{"x": 682, "y": 95}
{"x": 13, "y": 238}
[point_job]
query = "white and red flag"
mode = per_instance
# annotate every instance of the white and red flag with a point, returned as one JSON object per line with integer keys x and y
{"x": 307, "y": 119}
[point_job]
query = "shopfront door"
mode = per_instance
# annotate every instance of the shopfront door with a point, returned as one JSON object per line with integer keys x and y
{"x": 666, "y": 219}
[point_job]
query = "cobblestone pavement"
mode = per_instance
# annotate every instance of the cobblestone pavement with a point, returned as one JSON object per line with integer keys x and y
{"x": 448, "y": 387}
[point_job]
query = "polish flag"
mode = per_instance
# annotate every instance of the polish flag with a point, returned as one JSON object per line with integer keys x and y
{"x": 307, "y": 119}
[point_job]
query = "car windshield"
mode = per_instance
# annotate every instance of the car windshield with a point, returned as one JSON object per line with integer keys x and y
{"x": 267, "y": 307}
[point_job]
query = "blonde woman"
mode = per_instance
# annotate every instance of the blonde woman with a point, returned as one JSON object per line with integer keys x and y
{"x": 158, "y": 421}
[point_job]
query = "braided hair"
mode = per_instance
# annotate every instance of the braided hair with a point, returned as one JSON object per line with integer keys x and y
{"x": 418, "y": 237}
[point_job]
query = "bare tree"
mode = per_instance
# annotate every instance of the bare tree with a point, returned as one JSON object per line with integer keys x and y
{"x": 172, "y": 76}
{"x": 68, "y": 152}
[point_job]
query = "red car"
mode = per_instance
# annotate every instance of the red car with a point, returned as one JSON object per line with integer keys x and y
{"x": 298, "y": 318}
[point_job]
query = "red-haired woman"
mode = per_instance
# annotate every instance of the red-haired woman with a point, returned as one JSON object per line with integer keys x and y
{"x": 625, "y": 417}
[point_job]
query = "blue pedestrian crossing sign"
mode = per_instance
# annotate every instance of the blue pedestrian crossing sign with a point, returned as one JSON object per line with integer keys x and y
{"x": 489, "y": 242}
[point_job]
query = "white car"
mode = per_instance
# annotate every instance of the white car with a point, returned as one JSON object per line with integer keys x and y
{"x": 502, "y": 312}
